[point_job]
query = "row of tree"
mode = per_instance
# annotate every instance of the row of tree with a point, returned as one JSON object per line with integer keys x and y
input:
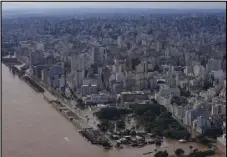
{"x": 112, "y": 113}
{"x": 158, "y": 120}
{"x": 180, "y": 153}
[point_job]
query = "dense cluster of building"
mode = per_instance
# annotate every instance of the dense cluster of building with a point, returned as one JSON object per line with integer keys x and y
{"x": 177, "y": 60}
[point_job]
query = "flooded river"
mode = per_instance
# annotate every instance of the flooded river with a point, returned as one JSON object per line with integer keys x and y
{"x": 32, "y": 128}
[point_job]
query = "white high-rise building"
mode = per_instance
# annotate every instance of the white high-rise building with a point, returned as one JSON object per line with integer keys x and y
{"x": 167, "y": 53}
{"x": 98, "y": 55}
{"x": 119, "y": 41}
{"x": 74, "y": 64}
{"x": 189, "y": 116}
{"x": 177, "y": 80}
{"x": 188, "y": 70}
{"x": 218, "y": 109}
{"x": 198, "y": 70}
{"x": 62, "y": 81}
{"x": 78, "y": 78}
{"x": 214, "y": 64}
{"x": 77, "y": 69}
{"x": 158, "y": 46}
{"x": 187, "y": 59}
{"x": 40, "y": 46}
{"x": 35, "y": 58}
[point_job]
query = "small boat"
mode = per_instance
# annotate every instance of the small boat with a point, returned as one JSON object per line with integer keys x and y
{"x": 106, "y": 148}
{"x": 182, "y": 141}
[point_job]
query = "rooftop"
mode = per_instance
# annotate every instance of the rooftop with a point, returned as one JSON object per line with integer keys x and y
{"x": 133, "y": 92}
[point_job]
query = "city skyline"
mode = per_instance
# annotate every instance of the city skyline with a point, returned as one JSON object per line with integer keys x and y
{"x": 131, "y": 76}
{"x": 152, "y": 5}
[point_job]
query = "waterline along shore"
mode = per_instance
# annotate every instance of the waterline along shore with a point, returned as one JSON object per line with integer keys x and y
{"x": 57, "y": 102}
{"x": 92, "y": 135}
{"x": 21, "y": 101}
{"x": 26, "y": 78}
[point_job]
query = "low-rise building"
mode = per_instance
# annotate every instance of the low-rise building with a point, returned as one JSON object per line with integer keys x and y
{"x": 130, "y": 97}
{"x": 129, "y": 84}
{"x": 164, "y": 96}
{"x": 117, "y": 88}
{"x": 101, "y": 98}
{"x": 218, "y": 109}
{"x": 89, "y": 89}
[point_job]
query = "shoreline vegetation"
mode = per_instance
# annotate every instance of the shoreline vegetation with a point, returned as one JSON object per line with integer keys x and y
{"x": 156, "y": 118}
{"x": 180, "y": 153}
{"x": 153, "y": 117}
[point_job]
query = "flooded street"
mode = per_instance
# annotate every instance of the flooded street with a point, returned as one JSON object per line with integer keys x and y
{"x": 32, "y": 128}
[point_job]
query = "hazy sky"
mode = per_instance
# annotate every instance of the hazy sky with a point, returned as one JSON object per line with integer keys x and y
{"x": 165, "y": 5}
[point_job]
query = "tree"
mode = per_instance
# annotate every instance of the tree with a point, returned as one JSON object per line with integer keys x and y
{"x": 204, "y": 140}
{"x": 161, "y": 154}
{"x": 179, "y": 151}
{"x": 195, "y": 150}
{"x": 166, "y": 114}
{"x": 141, "y": 109}
{"x": 111, "y": 113}
{"x": 118, "y": 144}
{"x": 156, "y": 119}
{"x": 81, "y": 104}
{"x": 79, "y": 101}
{"x": 104, "y": 125}
{"x": 149, "y": 116}
{"x": 99, "y": 125}
{"x": 106, "y": 143}
{"x": 209, "y": 152}
{"x": 213, "y": 132}
{"x": 201, "y": 153}
{"x": 191, "y": 147}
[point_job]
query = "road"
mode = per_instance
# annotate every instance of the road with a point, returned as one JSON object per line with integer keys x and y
{"x": 86, "y": 116}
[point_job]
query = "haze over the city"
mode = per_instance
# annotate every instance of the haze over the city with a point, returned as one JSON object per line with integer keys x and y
{"x": 155, "y": 5}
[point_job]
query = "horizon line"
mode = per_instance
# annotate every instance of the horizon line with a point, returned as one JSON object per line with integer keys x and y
{"x": 180, "y": 5}
{"x": 51, "y": 8}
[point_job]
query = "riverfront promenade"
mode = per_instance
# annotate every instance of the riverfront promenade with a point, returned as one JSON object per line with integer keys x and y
{"x": 52, "y": 94}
